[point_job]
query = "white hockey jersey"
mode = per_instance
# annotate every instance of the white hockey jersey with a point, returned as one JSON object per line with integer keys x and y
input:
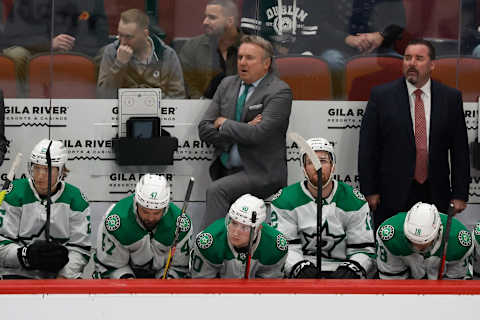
{"x": 124, "y": 246}
{"x": 346, "y": 226}
{"x": 22, "y": 221}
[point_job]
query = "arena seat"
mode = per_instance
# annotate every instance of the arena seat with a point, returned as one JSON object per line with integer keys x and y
{"x": 435, "y": 20}
{"x": 462, "y": 73}
{"x": 8, "y": 80}
{"x": 74, "y": 76}
{"x": 309, "y": 77}
{"x": 364, "y": 72}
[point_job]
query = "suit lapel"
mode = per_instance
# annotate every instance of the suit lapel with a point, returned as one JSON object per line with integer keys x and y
{"x": 404, "y": 110}
{"x": 255, "y": 98}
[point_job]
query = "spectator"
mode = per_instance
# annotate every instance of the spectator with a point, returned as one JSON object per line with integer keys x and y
{"x": 208, "y": 58}
{"x": 412, "y": 133}
{"x": 247, "y": 122}
{"x": 27, "y": 249}
{"x": 410, "y": 246}
{"x": 78, "y": 25}
{"x": 139, "y": 60}
{"x": 221, "y": 250}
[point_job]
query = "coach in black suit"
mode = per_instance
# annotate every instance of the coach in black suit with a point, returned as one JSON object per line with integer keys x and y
{"x": 397, "y": 164}
{"x": 247, "y": 122}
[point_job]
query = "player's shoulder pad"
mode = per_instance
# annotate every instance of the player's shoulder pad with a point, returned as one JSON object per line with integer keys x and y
{"x": 290, "y": 197}
{"x": 19, "y": 193}
{"x": 121, "y": 223}
{"x": 72, "y": 196}
{"x": 476, "y": 233}
{"x": 459, "y": 240}
{"x": 212, "y": 242}
{"x": 392, "y": 235}
{"x": 165, "y": 231}
{"x": 348, "y": 198}
{"x": 273, "y": 246}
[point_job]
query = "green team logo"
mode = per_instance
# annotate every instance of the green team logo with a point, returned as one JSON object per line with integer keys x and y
{"x": 386, "y": 232}
{"x": 242, "y": 256}
{"x": 183, "y": 223}
{"x": 358, "y": 194}
{"x": 282, "y": 243}
{"x": 245, "y": 209}
{"x": 10, "y": 188}
{"x": 112, "y": 222}
{"x": 204, "y": 240}
{"x": 465, "y": 238}
{"x": 153, "y": 195}
{"x": 418, "y": 232}
{"x": 476, "y": 230}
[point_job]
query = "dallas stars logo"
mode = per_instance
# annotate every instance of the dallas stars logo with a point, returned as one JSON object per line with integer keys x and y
{"x": 386, "y": 232}
{"x": 112, "y": 223}
{"x": 465, "y": 238}
{"x": 328, "y": 244}
{"x": 476, "y": 230}
{"x": 183, "y": 223}
{"x": 204, "y": 240}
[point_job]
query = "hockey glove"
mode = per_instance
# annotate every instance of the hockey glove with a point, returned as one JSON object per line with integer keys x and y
{"x": 304, "y": 270}
{"x": 347, "y": 270}
{"x": 43, "y": 255}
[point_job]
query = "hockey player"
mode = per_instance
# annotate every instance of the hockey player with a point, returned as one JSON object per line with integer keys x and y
{"x": 409, "y": 246}
{"x": 221, "y": 250}
{"x": 347, "y": 237}
{"x": 137, "y": 233}
{"x": 24, "y": 250}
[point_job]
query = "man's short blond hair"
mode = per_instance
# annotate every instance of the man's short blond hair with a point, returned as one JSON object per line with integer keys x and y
{"x": 135, "y": 16}
{"x": 261, "y": 42}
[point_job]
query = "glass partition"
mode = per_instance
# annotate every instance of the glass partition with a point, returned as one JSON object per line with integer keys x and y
{"x": 325, "y": 50}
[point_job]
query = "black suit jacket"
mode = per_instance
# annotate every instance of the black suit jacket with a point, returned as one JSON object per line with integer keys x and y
{"x": 386, "y": 159}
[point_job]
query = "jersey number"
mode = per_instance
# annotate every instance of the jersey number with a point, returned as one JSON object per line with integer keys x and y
{"x": 197, "y": 262}
{"x": 2, "y": 213}
{"x": 110, "y": 243}
{"x": 274, "y": 220}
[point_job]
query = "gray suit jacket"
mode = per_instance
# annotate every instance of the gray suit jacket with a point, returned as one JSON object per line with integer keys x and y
{"x": 262, "y": 147}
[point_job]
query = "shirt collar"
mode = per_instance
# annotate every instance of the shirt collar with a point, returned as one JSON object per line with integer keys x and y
{"x": 425, "y": 89}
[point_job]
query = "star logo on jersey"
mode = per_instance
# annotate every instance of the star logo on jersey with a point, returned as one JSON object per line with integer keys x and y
{"x": 465, "y": 238}
{"x": 183, "y": 223}
{"x": 386, "y": 232}
{"x": 358, "y": 194}
{"x": 204, "y": 240}
{"x": 329, "y": 241}
{"x": 112, "y": 222}
{"x": 476, "y": 230}
{"x": 242, "y": 256}
{"x": 282, "y": 243}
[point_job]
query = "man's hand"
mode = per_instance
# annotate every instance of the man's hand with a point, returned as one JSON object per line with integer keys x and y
{"x": 218, "y": 122}
{"x": 63, "y": 42}
{"x": 458, "y": 206}
{"x": 374, "y": 38}
{"x": 360, "y": 42}
{"x": 373, "y": 201}
{"x": 256, "y": 120}
{"x": 124, "y": 54}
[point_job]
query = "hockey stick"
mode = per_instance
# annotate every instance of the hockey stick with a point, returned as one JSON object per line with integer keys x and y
{"x": 171, "y": 251}
{"x": 302, "y": 143}
{"x": 445, "y": 236}
{"x": 249, "y": 249}
{"x": 49, "y": 192}
{"x": 10, "y": 176}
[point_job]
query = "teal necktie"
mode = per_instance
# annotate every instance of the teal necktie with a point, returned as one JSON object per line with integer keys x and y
{"x": 241, "y": 102}
{"x": 238, "y": 115}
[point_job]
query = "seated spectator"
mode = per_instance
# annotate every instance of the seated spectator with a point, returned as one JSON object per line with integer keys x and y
{"x": 28, "y": 248}
{"x": 79, "y": 25}
{"x": 208, "y": 58}
{"x": 293, "y": 30}
{"x": 410, "y": 246}
{"x": 222, "y": 249}
{"x": 139, "y": 60}
{"x": 348, "y": 248}
{"x": 137, "y": 233}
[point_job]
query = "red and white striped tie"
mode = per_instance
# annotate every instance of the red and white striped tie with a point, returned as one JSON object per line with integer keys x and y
{"x": 421, "y": 161}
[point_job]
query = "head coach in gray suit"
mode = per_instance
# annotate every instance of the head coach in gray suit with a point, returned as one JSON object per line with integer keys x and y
{"x": 247, "y": 122}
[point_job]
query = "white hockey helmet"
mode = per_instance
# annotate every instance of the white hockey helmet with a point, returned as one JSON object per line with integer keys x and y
{"x": 152, "y": 192}
{"x": 422, "y": 223}
{"x": 242, "y": 209}
{"x": 58, "y": 154}
{"x": 319, "y": 144}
